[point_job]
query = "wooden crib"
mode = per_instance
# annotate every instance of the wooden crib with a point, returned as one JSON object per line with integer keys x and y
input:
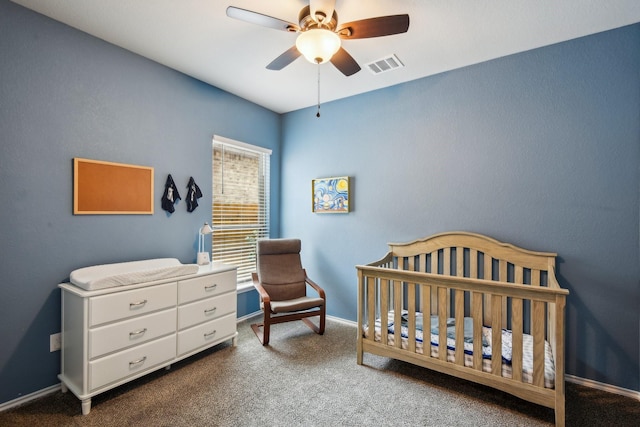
{"x": 502, "y": 294}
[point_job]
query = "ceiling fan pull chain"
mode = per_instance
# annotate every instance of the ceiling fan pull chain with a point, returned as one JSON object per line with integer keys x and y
{"x": 318, "y": 113}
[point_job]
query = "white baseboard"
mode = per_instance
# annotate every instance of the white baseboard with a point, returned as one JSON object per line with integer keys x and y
{"x": 603, "y": 387}
{"x": 343, "y": 321}
{"x": 249, "y": 316}
{"x": 29, "y": 397}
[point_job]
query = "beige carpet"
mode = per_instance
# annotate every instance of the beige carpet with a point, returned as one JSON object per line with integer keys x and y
{"x": 303, "y": 379}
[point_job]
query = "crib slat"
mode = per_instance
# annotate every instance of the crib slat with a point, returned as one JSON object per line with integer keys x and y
{"x": 459, "y": 301}
{"x": 446, "y": 262}
{"x": 535, "y": 281}
{"x": 425, "y": 294}
{"x": 477, "y": 330}
{"x": 519, "y": 274}
{"x": 384, "y": 310}
{"x": 371, "y": 306}
{"x": 460, "y": 262}
{"x": 397, "y": 313}
{"x": 422, "y": 261}
{"x": 516, "y": 337}
{"x": 442, "y": 323}
{"x": 538, "y": 343}
{"x": 502, "y": 277}
{"x": 535, "y": 277}
{"x": 411, "y": 308}
{"x": 434, "y": 262}
{"x": 488, "y": 275}
{"x": 502, "y": 271}
{"x": 496, "y": 335}
{"x": 473, "y": 263}
{"x": 446, "y": 270}
{"x": 473, "y": 271}
{"x": 422, "y": 267}
{"x": 434, "y": 270}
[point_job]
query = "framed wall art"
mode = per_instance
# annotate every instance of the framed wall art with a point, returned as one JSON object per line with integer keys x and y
{"x": 330, "y": 195}
{"x": 111, "y": 188}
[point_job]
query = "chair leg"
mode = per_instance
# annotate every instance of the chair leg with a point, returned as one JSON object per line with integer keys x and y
{"x": 266, "y": 330}
{"x": 263, "y": 335}
{"x": 317, "y": 329}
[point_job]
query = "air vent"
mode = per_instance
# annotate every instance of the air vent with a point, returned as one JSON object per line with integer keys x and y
{"x": 385, "y": 64}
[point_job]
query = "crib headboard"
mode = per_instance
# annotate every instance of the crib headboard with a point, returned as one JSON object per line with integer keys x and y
{"x": 474, "y": 256}
{"x": 469, "y": 252}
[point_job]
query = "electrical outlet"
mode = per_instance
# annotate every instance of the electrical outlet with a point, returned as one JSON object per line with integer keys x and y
{"x": 55, "y": 342}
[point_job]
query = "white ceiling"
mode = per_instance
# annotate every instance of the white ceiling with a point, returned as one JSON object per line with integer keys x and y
{"x": 197, "y": 38}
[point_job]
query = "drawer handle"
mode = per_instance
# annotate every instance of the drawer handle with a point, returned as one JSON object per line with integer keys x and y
{"x": 137, "y": 362}
{"x": 210, "y": 334}
{"x": 211, "y": 310}
{"x": 138, "y": 332}
{"x": 211, "y": 287}
{"x": 137, "y": 304}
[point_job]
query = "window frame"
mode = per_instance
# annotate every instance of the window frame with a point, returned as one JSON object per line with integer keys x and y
{"x": 245, "y": 284}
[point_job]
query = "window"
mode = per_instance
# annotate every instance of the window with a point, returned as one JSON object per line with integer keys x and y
{"x": 240, "y": 213}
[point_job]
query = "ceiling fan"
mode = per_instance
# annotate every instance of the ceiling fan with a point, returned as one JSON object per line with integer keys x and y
{"x": 319, "y": 35}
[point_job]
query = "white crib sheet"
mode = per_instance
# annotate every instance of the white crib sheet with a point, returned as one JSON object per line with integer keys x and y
{"x": 128, "y": 273}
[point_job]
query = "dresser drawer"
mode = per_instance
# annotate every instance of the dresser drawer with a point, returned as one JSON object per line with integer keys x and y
{"x": 206, "y": 334}
{"x": 121, "y": 305}
{"x": 138, "y": 359}
{"x": 208, "y": 309}
{"x": 137, "y": 330}
{"x": 206, "y": 286}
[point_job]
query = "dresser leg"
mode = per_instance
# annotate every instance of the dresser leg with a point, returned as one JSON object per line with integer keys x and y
{"x": 86, "y": 406}
{"x": 167, "y": 368}
{"x": 63, "y": 387}
{"x": 234, "y": 341}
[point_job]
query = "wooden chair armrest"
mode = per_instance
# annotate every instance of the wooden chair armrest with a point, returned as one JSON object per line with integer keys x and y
{"x": 264, "y": 296}
{"x": 315, "y": 286}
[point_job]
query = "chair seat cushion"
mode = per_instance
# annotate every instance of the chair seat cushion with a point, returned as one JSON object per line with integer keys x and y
{"x": 297, "y": 304}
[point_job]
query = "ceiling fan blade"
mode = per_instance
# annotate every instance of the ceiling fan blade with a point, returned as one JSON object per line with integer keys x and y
{"x": 325, "y": 6}
{"x": 260, "y": 19}
{"x": 285, "y": 59}
{"x": 374, "y": 27}
{"x": 345, "y": 62}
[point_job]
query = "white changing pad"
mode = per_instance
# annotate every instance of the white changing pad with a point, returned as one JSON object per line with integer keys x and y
{"x": 128, "y": 273}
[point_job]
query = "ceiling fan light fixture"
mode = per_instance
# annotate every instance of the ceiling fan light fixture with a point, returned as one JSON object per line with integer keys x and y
{"x": 318, "y": 45}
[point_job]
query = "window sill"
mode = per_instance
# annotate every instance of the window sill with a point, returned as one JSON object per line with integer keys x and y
{"x": 245, "y": 287}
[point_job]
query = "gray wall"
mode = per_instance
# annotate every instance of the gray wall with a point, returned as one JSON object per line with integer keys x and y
{"x": 64, "y": 94}
{"x": 539, "y": 149}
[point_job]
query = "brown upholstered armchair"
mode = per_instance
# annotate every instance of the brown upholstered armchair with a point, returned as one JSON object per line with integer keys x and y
{"x": 282, "y": 284}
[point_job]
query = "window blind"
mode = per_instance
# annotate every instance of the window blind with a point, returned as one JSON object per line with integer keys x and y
{"x": 240, "y": 209}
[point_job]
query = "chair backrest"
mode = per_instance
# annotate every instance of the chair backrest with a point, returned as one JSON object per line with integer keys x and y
{"x": 280, "y": 269}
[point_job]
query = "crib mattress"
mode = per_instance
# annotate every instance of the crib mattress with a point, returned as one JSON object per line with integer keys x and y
{"x": 527, "y": 347}
{"x": 129, "y": 273}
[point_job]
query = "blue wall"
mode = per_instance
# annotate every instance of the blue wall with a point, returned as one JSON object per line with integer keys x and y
{"x": 540, "y": 149}
{"x": 64, "y": 94}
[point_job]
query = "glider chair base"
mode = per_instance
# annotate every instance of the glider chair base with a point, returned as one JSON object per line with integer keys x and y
{"x": 263, "y": 332}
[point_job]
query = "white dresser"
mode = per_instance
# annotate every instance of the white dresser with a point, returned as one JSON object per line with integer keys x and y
{"x": 114, "y": 335}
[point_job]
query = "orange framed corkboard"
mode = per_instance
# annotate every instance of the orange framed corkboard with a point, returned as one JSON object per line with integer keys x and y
{"x": 111, "y": 188}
